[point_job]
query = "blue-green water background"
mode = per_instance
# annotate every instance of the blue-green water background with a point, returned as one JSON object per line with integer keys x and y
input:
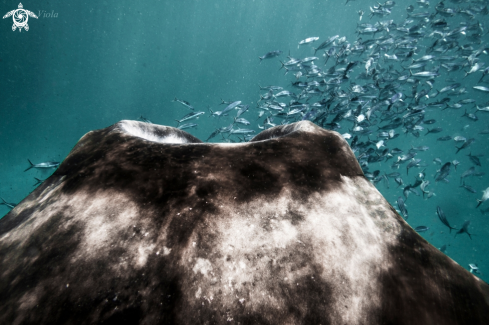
{"x": 100, "y": 62}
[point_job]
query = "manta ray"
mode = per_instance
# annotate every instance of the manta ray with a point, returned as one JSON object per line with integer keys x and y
{"x": 146, "y": 224}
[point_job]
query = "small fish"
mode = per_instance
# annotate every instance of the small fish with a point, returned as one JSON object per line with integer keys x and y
{"x": 399, "y": 181}
{"x": 445, "y": 138}
{"x": 455, "y": 163}
{"x": 190, "y": 116}
{"x": 468, "y": 188}
{"x": 459, "y": 139}
{"x": 402, "y": 207}
{"x": 242, "y": 131}
{"x": 466, "y": 144}
{"x": 443, "y": 218}
{"x": 423, "y": 186}
{"x": 43, "y": 165}
{"x": 407, "y": 157}
{"x": 424, "y": 58}
{"x": 38, "y": 181}
{"x": 226, "y": 129}
{"x": 482, "y": 88}
{"x": 484, "y": 73}
{"x": 444, "y": 172}
{"x": 392, "y": 57}
{"x": 291, "y": 62}
{"x": 213, "y": 134}
{"x": 187, "y": 126}
{"x": 474, "y": 159}
{"x": 270, "y": 55}
{"x": 307, "y": 41}
{"x": 450, "y": 87}
{"x": 474, "y": 268}
{"x": 326, "y": 43}
{"x": 485, "y": 197}
{"x": 242, "y": 121}
{"x": 412, "y": 163}
{"x": 420, "y": 148}
{"x": 465, "y": 229}
{"x": 425, "y": 74}
{"x": 216, "y": 113}
{"x": 242, "y": 109}
{"x": 471, "y": 116}
{"x": 145, "y": 120}
{"x": 483, "y": 109}
{"x": 9, "y": 205}
{"x": 443, "y": 248}
{"x": 283, "y": 93}
{"x": 468, "y": 172}
{"x": 421, "y": 228}
{"x": 184, "y": 103}
{"x": 473, "y": 69}
{"x": 309, "y": 59}
{"x": 360, "y": 13}
{"x": 434, "y": 130}
{"x": 231, "y": 106}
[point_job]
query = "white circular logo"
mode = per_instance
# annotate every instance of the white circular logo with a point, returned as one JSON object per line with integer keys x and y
{"x": 20, "y": 17}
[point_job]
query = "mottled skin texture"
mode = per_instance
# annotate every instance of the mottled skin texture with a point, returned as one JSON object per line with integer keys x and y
{"x": 284, "y": 229}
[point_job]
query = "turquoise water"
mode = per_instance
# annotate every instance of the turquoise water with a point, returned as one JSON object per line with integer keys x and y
{"x": 85, "y": 66}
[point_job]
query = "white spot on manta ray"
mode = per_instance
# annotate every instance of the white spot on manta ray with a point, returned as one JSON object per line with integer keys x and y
{"x": 166, "y": 251}
{"x": 198, "y": 293}
{"x": 144, "y": 252}
{"x": 284, "y": 234}
{"x": 203, "y": 266}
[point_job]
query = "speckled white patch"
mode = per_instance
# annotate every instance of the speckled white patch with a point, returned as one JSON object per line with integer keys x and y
{"x": 202, "y": 266}
{"x": 345, "y": 231}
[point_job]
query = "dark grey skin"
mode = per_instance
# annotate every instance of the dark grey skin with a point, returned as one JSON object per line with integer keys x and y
{"x": 145, "y": 224}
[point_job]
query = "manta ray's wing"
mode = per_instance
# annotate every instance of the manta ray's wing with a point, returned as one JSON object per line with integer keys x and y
{"x": 8, "y": 14}
{"x": 30, "y": 13}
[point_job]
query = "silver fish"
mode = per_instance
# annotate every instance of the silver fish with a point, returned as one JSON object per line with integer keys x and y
{"x": 187, "y": 126}
{"x": 190, "y": 116}
{"x": 184, "y": 103}
{"x": 402, "y": 207}
{"x": 465, "y": 229}
{"x": 443, "y": 218}
{"x": 43, "y": 165}
{"x": 307, "y": 41}
{"x": 9, "y": 205}
{"x": 270, "y": 55}
{"x": 231, "y": 106}
{"x": 421, "y": 228}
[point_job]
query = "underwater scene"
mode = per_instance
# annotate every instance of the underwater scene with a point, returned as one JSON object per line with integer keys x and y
{"x": 405, "y": 83}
